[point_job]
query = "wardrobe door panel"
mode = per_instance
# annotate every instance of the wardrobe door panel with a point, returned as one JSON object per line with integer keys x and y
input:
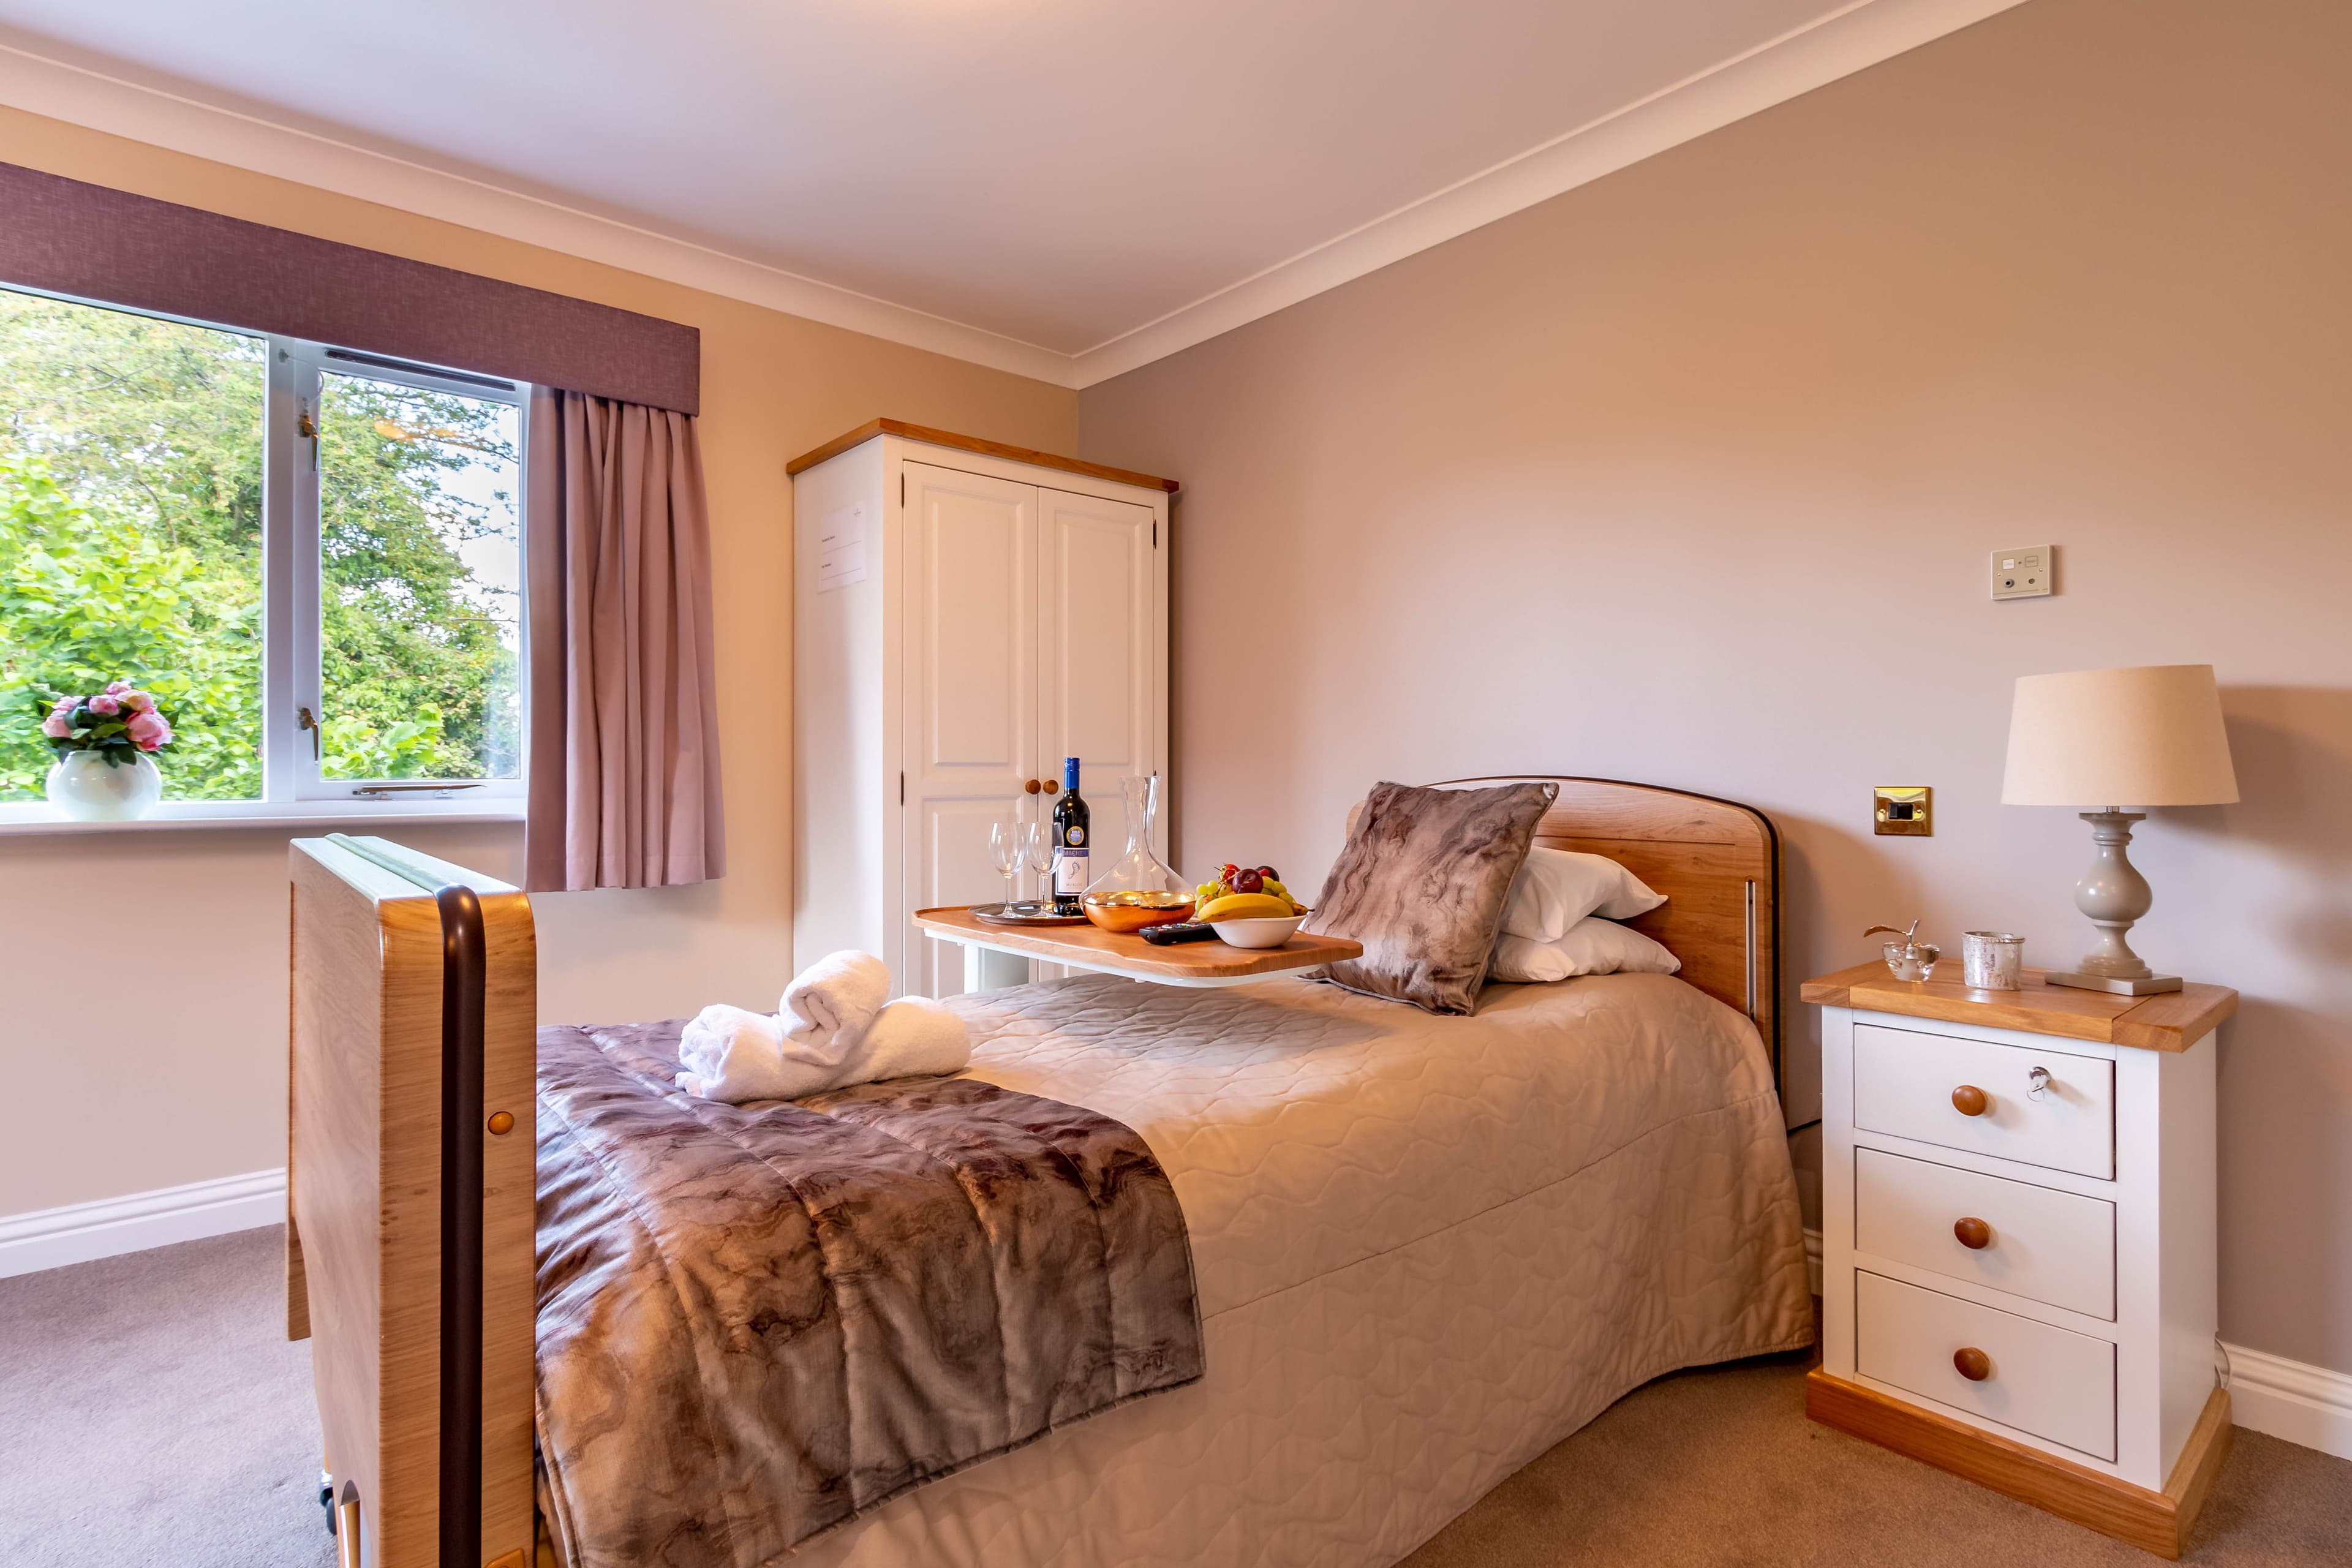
{"x": 971, "y": 699}
{"x": 1098, "y": 674}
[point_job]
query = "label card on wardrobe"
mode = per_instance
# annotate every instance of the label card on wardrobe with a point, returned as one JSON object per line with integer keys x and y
{"x": 841, "y": 548}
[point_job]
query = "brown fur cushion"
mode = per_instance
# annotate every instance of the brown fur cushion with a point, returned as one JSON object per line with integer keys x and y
{"x": 1421, "y": 884}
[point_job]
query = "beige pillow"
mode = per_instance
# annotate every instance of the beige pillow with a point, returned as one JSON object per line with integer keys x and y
{"x": 1421, "y": 884}
{"x": 1591, "y": 946}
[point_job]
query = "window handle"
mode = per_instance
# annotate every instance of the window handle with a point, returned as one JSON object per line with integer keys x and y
{"x": 305, "y": 720}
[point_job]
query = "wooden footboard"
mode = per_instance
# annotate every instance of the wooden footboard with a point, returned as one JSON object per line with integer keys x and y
{"x": 410, "y": 1185}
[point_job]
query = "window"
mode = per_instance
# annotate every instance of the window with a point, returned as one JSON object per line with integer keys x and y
{"x": 131, "y": 533}
{"x": 312, "y": 556}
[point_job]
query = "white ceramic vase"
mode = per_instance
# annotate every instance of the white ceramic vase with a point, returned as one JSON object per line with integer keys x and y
{"x": 85, "y": 788}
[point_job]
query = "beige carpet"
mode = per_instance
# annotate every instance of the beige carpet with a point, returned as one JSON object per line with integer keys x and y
{"x": 153, "y": 1415}
{"x": 1719, "y": 1467}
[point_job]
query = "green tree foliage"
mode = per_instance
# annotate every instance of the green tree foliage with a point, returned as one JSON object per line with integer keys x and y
{"x": 418, "y": 682}
{"x": 86, "y": 597}
{"x": 131, "y": 520}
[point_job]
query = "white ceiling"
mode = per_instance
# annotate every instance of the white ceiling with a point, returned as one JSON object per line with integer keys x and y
{"x": 1063, "y": 187}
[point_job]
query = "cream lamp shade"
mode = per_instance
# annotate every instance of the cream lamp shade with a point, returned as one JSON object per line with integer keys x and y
{"x": 2146, "y": 736}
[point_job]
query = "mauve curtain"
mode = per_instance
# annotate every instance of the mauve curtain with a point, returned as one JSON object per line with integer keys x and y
{"x": 624, "y": 718}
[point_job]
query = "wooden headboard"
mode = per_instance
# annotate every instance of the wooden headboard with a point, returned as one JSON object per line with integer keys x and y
{"x": 1718, "y": 864}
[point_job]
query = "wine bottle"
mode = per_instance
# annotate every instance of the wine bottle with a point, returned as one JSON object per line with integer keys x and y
{"x": 1072, "y": 823}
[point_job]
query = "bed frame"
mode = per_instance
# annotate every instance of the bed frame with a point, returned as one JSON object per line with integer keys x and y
{"x": 411, "y": 1146}
{"x": 410, "y": 1175}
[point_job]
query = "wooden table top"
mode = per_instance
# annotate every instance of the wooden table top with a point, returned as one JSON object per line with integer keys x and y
{"x": 1185, "y": 963}
{"x": 2168, "y": 1021}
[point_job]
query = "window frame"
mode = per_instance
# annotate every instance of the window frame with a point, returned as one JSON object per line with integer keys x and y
{"x": 292, "y": 792}
{"x": 290, "y": 752}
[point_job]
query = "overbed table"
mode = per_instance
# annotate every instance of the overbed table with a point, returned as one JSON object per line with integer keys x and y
{"x": 1198, "y": 964}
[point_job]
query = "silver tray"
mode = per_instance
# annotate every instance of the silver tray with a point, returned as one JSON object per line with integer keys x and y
{"x": 1027, "y": 912}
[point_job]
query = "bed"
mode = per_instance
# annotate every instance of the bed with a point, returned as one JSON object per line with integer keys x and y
{"x": 1426, "y": 1247}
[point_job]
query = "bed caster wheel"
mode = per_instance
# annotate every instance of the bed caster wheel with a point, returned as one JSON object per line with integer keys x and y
{"x": 327, "y": 1499}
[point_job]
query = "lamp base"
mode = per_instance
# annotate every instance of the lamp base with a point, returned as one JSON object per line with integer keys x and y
{"x": 2138, "y": 985}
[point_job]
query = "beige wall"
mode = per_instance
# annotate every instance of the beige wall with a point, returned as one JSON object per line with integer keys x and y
{"x": 1690, "y": 475}
{"x": 142, "y": 990}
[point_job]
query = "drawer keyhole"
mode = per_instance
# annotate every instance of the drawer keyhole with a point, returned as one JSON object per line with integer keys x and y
{"x": 1972, "y": 1363}
{"x": 1972, "y": 1233}
{"x": 1971, "y": 1100}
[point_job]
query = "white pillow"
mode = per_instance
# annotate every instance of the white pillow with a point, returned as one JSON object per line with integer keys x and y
{"x": 1591, "y": 946}
{"x": 1556, "y": 888}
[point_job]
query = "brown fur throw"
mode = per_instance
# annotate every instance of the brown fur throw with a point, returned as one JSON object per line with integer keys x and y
{"x": 1422, "y": 883}
{"x": 756, "y": 1321}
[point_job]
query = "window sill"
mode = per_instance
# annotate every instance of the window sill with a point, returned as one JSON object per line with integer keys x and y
{"x": 320, "y": 815}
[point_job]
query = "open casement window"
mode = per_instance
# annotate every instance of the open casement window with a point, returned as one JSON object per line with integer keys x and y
{"x": 313, "y": 558}
{"x": 401, "y": 531}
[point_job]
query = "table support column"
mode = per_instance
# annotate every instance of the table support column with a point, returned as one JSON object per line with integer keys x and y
{"x": 987, "y": 970}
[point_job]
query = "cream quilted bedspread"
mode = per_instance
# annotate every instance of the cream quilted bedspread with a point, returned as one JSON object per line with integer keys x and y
{"x": 1426, "y": 1247}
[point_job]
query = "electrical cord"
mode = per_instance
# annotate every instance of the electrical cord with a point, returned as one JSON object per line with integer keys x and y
{"x": 1802, "y": 1126}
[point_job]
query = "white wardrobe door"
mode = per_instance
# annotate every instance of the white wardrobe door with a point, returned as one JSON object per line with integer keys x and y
{"x": 1098, "y": 679}
{"x": 971, "y": 676}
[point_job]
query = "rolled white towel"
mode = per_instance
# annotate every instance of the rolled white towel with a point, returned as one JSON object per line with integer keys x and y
{"x": 828, "y": 1007}
{"x": 718, "y": 1032}
{"x": 911, "y": 1036}
{"x": 735, "y": 1055}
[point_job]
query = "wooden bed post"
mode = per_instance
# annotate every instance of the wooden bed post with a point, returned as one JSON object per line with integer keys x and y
{"x": 411, "y": 1179}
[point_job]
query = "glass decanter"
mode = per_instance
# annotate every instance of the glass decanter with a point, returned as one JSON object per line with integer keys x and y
{"x": 1139, "y": 890}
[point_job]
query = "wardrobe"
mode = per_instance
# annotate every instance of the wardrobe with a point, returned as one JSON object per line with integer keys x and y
{"x": 965, "y": 614}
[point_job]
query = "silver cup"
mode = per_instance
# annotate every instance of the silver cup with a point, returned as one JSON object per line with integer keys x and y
{"x": 1992, "y": 960}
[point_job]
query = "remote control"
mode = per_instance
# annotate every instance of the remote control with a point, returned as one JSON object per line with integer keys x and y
{"x": 1170, "y": 932}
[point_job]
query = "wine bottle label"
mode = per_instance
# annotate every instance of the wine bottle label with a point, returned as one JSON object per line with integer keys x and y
{"x": 1070, "y": 872}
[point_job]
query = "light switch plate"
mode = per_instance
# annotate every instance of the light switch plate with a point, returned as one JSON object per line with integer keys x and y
{"x": 2022, "y": 572}
{"x": 1904, "y": 810}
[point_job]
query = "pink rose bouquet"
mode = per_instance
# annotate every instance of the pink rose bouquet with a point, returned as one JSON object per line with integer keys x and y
{"x": 118, "y": 723}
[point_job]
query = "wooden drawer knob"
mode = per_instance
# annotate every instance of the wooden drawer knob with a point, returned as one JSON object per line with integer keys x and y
{"x": 501, "y": 1123}
{"x": 1032, "y": 787}
{"x": 1971, "y": 1100}
{"x": 1972, "y": 1233}
{"x": 1972, "y": 1363}
{"x": 1050, "y": 787}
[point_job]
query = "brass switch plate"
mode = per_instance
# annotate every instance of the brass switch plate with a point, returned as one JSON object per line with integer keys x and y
{"x": 1906, "y": 810}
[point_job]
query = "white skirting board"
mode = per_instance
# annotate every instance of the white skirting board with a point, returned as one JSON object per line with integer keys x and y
{"x": 2307, "y": 1404}
{"x": 51, "y": 1239}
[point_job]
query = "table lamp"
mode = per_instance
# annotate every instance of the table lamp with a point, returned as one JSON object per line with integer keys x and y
{"x": 2147, "y": 736}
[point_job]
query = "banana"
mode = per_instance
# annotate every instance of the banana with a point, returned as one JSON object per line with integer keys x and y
{"x": 1245, "y": 906}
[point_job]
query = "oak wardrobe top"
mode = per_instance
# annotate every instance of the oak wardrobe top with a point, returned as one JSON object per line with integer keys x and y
{"x": 873, "y": 427}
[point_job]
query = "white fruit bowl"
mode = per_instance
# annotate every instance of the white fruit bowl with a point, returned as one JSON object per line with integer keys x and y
{"x": 1271, "y": 932}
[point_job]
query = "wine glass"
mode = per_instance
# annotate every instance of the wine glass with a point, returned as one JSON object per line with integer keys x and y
{"x": 1037, "y": 848}
{"x": 1005, "y": 848}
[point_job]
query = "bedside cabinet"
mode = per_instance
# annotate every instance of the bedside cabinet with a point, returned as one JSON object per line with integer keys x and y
{"x": 2018, "y": 1219}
